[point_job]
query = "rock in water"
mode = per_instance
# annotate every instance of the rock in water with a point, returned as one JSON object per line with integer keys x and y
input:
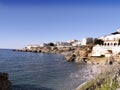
{"x": 5, "y": 84}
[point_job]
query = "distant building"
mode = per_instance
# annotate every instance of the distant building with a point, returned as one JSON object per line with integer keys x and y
{"x": 72, "y": 41}
{"x": 62, "y": 44}
{"x": 43, "y": 45}
{"x": 29, "y": 47}
{"x": 86, "y": 41}
{"x": 78, "y": 43}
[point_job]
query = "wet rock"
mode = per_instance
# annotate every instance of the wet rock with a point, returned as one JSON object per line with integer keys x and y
{"x": 85, "y": 60}
{"x": 70, "y": 57}
{"x": 109, "y": 62}
{"x": 5, "y": 84}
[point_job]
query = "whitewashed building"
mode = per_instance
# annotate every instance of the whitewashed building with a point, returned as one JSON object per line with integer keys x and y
{"x": 63, "y": 44}
{"x": 111, "y": 43}
{"x": 78, "y": 43}
{"x": 43, "y": 45}
{"x": 86, "y": 41}
{"x": 72, "y": 41}
{"x": 29, "y": 47}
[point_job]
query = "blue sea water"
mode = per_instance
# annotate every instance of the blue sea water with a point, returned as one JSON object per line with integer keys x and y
{"x": 38, "y": 71}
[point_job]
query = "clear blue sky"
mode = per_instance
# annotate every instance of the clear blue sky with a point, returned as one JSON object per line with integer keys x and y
{"x": 24, "y": 22}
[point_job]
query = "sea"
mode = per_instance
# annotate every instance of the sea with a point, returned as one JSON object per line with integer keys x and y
{"x": 40, "y": 71}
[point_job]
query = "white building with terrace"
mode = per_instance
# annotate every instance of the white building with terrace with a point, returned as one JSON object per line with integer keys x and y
{"x": 111, "y": 45}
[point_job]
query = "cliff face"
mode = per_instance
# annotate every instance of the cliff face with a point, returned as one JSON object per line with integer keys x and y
{"x": 5, "y": 84}
{"x": 80, "y": 54}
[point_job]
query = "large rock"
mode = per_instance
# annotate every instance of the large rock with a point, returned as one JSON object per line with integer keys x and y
{"x": 70, "y": 57}
{"x": 5, "y": 84}
{"x": 79, "y": 54}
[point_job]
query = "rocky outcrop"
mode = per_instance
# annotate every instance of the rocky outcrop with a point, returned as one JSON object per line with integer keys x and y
{"x": 5, "y": 84}
{"x": 76, "y": 54}
{"x": 80, "y": 54}
{"x": 70, "y": 57}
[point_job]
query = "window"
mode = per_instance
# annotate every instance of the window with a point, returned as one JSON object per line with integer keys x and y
{"x": 115, "y": 44}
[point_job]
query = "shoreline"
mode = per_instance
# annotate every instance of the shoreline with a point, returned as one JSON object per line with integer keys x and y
{"x": 104, "y": 72}
{"x": 72, "y": 54}
{"x": 98, "y": 65}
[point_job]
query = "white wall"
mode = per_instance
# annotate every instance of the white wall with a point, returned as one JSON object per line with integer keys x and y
{"x": 99, "y": 50}
{"x": 86, "y": 41}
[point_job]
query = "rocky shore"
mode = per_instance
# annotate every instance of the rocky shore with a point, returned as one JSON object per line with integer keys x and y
{"x": 107, "y": 73}
{"x": 72, "y": 54}
{"x": 5, "y": 84}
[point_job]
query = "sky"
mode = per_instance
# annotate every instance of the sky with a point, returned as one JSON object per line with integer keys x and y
{"x": 25, "y": 22}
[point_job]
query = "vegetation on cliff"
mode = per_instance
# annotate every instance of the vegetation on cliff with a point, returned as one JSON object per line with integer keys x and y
{"x": 104, "y": 83}
{"x": 108, "y": 79}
